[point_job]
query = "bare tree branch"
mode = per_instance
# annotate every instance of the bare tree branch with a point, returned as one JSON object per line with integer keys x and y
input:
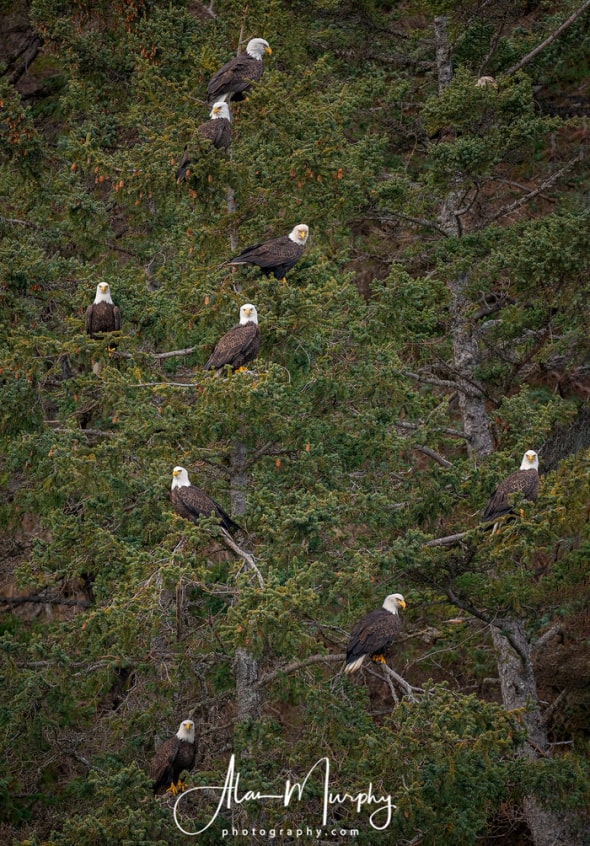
{"x": 497, "y": 624}
{"x": 532, "y": 194}
{"x": 405, "y": 686}
{"x": 431, "y": 380}
{"x": 431, "y": 453}
{"x": 239, "y": 551}
{"x": 405, "y": 424}
{"x": 299, "y": 665}
{"x": 172, "y": 353}
{"x": 567, "y": 23}
{"x": 44, "y": 600}
{"x": 419, "y": 221}
{"x": 554, "y": 631}
{"x": 163, "y": 385}
{"x": 449, "y": 540}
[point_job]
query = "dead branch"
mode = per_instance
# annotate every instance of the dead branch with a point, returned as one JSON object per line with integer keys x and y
{"x": 567, "y": 23}
{"x": 497, "y": 624}
{"x": 454, "y": 433}
{"x": 88, "y": 432}
{"x": 248, "y": 559}
{"x": 164, "y": 385}
{"x": 172, "y": 353}
{"x": 431, "y": 453}
{"x": 554, "y": 631}
{"x": 552, "y": 708}
{"x": 431, "y": 380}
{"x": 419, "y": 221}
{"x": 449, "y": 540}
{"x": 401, "y": 682}
{"x": 298, "y": 665}
{"x": 532, "y": 194}
{"x": 44, "y": 600}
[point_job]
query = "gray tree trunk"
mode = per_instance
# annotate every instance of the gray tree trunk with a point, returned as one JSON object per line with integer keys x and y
{"x": 519, "y": 690}
{"x": 245, "y": 666}
{"x": 515, "y": 669}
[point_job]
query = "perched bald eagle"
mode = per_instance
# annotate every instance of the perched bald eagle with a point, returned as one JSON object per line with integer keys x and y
{"x": 217, "y": 130}
{"x": 277, "y": 255}
{"x": 524, "y": 481}
{"x": 103, "y": 315}
{"x": 192, "y": 503}
{"x": 374, "y": 633}
{"x": 235, "y": 77}
{"x": 238, "y": 346}
{"x": 172, "y": 757}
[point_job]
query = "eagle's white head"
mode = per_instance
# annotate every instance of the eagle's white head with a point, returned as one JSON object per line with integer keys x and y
{"x": 103, "y": 293}
{"x": 180, "y": 478}
{"x": 299, "y": 233}
{"x": 393, "y": 602}
{"x": 484, "y": 81}
{"x": 248, "y": 314}
{"x": 220, "y": 110}
{"x": 257, "y": 47}
{"x": 530, "y": 460}
{"x": 186, "y": 729}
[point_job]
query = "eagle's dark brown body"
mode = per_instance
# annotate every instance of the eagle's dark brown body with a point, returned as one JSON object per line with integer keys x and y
{"x": 236, "y": 348}
{"x": 192, "y": 503}
{"x": 235, "y": 77}
{"x": 171, "y": 758}
{"x": 217, "y": 131}
{"x": 525, "y": 482}
{"x": 102, "y": 317}
{"x": 275, "y": 256}
{"x": 372, "y": 635}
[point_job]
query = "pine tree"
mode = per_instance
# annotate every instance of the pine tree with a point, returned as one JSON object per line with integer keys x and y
{"x": 433, "y": 329}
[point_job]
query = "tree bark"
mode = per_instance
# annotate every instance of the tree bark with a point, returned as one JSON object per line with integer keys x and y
{"x": 515, "y": 668}
{"x": 443, "y": 53}
{"x": 245, "y": 669}
{"x": 519, "y": 690}
{"x": 465, "y": 365}
{"x": 245, "y": 666}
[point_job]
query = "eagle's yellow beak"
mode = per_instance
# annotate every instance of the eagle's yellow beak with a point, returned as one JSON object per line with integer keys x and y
{"x": 104, "y": 288}
{"x": 176, "y": 472}
{"x": 530, "y": 456}
{"x": 187, "y": 726}
{"x": 402, "y": 604}
{"x": 268, "y": 50}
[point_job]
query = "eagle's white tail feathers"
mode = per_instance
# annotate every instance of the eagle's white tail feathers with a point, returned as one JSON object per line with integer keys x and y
{"x": 354, "y": 665}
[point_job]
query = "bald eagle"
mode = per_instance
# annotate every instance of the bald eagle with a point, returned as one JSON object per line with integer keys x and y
{"x": 192, "y": 503}
{"x": 238, "y": 346}
{"x": 217, "y": 130}
{"x": 277, "y": 255}
{"x": 235, "y": 77}
{"x": 103, "y": 315}
{"x": 172, "y": 757}
{"x": 374, "y": 633}
{"x": 524, "y": 481}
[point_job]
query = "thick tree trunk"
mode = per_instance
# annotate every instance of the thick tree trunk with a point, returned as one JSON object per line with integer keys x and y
{"x": 245, "y": 670}
{"x": 239, "y": 479}
{"x": 443, "y": 53}
{"x": 245, "y": 666}
{"x": 519, "y": 690}
{"x": 465, "y": 365}
{"x": 515, "y": 670}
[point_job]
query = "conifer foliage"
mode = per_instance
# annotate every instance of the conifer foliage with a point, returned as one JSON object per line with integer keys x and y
{"x": 434, "y": 328}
